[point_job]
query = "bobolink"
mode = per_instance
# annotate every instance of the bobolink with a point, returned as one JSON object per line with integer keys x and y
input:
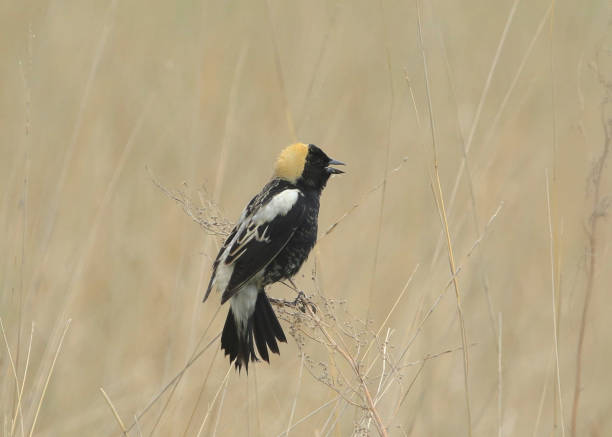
{"x": 269, "y": 243}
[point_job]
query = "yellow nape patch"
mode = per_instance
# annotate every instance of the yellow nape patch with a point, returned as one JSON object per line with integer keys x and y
{"x": 290, "y": 163}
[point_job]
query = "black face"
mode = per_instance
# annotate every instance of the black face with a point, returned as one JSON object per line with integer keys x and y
{"x": 317, "y": 169}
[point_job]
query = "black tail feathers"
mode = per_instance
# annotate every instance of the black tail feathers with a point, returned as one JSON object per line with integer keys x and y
{"x": 263, "y": 325}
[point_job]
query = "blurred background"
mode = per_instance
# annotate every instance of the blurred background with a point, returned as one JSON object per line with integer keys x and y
{"x": 101, "y": 98}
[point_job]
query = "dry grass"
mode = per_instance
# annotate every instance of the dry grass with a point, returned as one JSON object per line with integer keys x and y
{"x": 133, "y": 134}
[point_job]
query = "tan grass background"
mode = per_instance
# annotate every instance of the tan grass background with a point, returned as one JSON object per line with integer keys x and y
{"x": 207, "y": 93}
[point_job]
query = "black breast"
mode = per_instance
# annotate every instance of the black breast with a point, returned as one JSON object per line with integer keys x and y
{"x": 288, "y": 262}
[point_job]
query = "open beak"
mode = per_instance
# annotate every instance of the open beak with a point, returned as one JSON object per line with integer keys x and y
{"x": 332, "y": 170}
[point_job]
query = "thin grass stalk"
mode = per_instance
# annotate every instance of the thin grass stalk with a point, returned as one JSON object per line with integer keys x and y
{"x": 174, "y": 380}
{"x": 500, "y": 411}
{"x": 554, "y": 307}
{"x": 44, "y": 390}
{"x": 212, "y": 403}
{"x": 220, "y": 409}
{"x": 598, "y": 212}
{"x": 25, "y": 377}
{"x": 476, "y": 120}
{"x": 297, "y": 391}
{"x": 114, "y": 411}
{"x": 279, "y": 74}
{"x": 203, "y": 386}
{"x": 440, "y": 199}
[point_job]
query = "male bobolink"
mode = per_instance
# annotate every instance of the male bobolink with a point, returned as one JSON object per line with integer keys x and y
{"x": 269, "y": 243}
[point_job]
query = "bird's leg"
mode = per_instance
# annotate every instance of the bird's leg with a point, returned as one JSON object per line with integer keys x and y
{"x": 301, "y": 301}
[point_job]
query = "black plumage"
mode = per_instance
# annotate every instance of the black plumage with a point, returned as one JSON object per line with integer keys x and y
{"x": 270, "y": 242}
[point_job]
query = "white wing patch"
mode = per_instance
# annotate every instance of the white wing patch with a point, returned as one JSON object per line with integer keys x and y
{"x": 278, "y": 205}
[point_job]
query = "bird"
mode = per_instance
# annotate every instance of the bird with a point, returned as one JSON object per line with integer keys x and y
{"x": 269, "y": 243}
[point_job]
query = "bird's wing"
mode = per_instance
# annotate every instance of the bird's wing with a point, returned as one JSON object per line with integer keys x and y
{"x": 260, "y": 239}
{"x": 216, "y": 263}
{"x": 262, "y": 232}
{"x": 229, "y": 240}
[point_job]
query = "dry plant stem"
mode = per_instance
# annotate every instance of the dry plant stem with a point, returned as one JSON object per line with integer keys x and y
{"x": 174, "y": 380}
{"x": 335, "y": 422}
{"x": 279, "y": 73}
{"x": 382, "y": 325}
{"x": 225, "y": 379}
{"x": 500, "y": 417}
{"x": 67, "y": 159}
{"x": 355, "y": 367}
{"x": 89, "y": 242}
{"x": 203, "y": 386}
{"x": 440, "y": 200}
{"x": 377, "y": 396}
{"x": 257, "y": 405}
{"x": 383, "y": 194}
{"x": 543, "y": 395}
{"x": 297, "y": 391}
{"x": 309, "y": 415}
{"x": 554, "y": 307}
{"x": 324, "y": 46}
{"x": 220, "y": 409}
{"x": 363, "y": 197}
{"x": 421, "y": 364}
{"x": 517, "y": 75}
{"x": 25, "y": 377}
{"x": 470, "y": 180}
{"x": 180, "y": 375}
{"x": 399, "y": 404}
{"x": 44, "y": 391}
{"x": 14, "y": 370}
{"x": 554, "y": 239}
{"x": 448, "y": 284}
{"x": 483, "y": 97}
{"x": 115, "y": 413}
{"x": 138, "y": 430}
{"x": 597, "y": 214}
{"x": 10, "y": 355}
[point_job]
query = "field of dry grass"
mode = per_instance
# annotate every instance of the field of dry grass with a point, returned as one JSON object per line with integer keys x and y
{"x": 474, "y": 213}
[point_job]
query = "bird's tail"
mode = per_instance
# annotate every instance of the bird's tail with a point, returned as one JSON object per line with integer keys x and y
{"x": 237, "y": 339}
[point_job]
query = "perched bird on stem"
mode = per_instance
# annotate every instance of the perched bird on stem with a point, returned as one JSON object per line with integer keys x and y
{"x": 269, "y": 243}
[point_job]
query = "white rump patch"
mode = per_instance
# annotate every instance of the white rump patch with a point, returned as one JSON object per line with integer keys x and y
{"x": 278, "y": 205}
{"x": 243, "y": 306}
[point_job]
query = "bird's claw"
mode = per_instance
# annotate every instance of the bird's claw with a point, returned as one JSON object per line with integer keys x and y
{"x": 302, "y": 302}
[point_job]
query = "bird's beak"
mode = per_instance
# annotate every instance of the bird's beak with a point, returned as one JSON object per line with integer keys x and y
{"x": 332, "y": 170}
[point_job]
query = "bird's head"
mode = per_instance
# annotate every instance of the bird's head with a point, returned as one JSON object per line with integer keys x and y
{"x": 306, "y": 165}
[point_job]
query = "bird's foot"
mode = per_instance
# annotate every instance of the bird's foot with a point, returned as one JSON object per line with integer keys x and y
{"x": 301, "y": 302}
